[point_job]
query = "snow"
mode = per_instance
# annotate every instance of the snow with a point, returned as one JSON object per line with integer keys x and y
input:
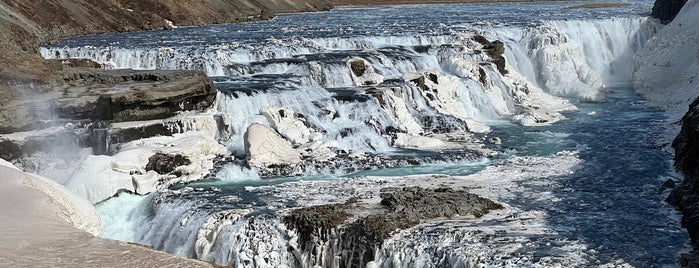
{"x": 265, "y": 147}
{"x": 666, "y": 69}
{"x": 99, "y": 177}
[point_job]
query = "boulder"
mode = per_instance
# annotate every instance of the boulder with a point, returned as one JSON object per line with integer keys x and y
{"x": 363, "y": 73}
{"x": 166, "y": 163}
{"x": 359, "y": 234}
{"x": 265, "y": 147}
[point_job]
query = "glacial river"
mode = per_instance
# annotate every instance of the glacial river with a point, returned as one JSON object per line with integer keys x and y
{"x": 609, "y": 210}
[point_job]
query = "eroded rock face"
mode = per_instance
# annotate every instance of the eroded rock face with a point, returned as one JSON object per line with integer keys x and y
{"x": 495, "y": 50}
{"x": 114, "y": 96}
{"x": 360, "y": 236}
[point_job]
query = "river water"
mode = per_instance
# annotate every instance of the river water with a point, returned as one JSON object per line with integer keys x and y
{"x": 608, "y": 211}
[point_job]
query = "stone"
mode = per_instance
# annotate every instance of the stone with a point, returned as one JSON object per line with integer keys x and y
{"x": 166, "y": 163}
{"x": 111, "y": 95}
{"x": 363, "y": 73}
{"x": 400, "y": 208}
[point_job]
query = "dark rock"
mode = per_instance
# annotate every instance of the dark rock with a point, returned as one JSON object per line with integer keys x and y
{"x": 668, "y": 184}
{"x": 358, "y": 67}
{"x": 666, "y": 10}
{"x": 401, "y": 208}
{"x": 689, "y": 259}
{"x": 685, "y": 197}
{"x": 495, "y": 50}
{"x": 313, "y": 221}
{"x": 166, "y": 163}
{"x": 420, "y": 83}
{"x": 114, "y": 95}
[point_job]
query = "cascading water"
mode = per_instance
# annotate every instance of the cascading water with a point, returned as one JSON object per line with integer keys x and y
{"x": 377, "y": 79}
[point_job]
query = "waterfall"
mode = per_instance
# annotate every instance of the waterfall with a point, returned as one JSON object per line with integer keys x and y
{"x": 354, "y": 92}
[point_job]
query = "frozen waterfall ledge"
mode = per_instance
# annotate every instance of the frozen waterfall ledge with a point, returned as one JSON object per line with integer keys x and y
{"x": 39, "y": 215}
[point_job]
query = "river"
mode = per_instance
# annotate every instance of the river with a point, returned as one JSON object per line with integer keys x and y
{"x": 607, "y": 209}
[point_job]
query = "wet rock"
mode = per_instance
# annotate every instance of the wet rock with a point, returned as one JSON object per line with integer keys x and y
{"x": 400, "y": 208}
{"x": 358, "y": 67}
{"x": 495, "y": 50}
{"x": 166, "y": 163}
{"x": 112, "y": 95}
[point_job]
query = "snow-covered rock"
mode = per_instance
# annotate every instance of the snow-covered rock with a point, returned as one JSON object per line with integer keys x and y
{"x": 265, "y": 147}
{"x": 392, "y": 101}
{"x": 288, "y": 125}
{"x": 417, "y": 142}
{"x": 99, "y": 177}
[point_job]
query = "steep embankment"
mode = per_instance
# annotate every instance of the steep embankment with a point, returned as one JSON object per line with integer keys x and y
{"x": 666, "y": 74}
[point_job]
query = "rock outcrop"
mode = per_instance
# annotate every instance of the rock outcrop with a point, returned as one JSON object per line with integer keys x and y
{"x": 665, "y": 74}
{"x": 359, "y": 235}
{"x": 105, "y": 95}
{"x": 686, "y": 195}
{"x": 666, "y": 10}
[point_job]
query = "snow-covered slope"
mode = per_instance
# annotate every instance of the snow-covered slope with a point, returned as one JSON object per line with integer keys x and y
{"x": 666, "y": 70}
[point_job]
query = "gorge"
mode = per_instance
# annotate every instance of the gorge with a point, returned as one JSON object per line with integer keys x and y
{"x": 442, "y": 135}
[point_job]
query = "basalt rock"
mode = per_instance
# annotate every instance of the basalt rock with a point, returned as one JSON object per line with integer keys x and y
{"x": 358, "y": 237}
{"x": 686, "y": 196}
{"x": 115, "y": 96}
{"x": 495, "y": 50}
{"x": 166, "y": 163}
